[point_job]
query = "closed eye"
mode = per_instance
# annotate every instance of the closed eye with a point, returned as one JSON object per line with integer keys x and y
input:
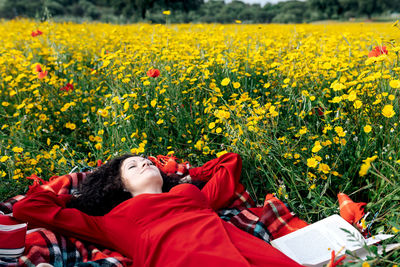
{"x": 133, "y": 166}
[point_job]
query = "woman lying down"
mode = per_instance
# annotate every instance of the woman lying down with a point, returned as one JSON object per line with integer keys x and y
{"x": 125, "y": 205}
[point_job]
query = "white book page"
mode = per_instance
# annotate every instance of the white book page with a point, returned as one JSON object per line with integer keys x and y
{"x": 312, "y": 247}
{"x": 313, "y": 244}
{"x": 334, "y": 225}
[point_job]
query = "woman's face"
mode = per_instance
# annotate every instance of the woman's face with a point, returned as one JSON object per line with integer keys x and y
{"x": 140, "y": 175}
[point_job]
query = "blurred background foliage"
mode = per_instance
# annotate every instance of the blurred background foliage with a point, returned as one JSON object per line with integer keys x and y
{"x": 200, "y": 11}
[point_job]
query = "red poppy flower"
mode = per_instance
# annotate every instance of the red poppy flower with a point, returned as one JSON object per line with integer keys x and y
{"x": 318, "y": 110}
{"x": 36, "y": 33}
{"x": 67, "y": 87}
{"x": 153, "y": 73}
{"x": 42, "y": 74}
{"x": 377, "y": 51}
{"x": 351, "y": 211}
{"x": 38, "y": 68}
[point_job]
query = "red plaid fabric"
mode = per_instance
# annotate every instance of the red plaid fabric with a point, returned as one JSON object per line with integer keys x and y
{"x": 278, "y": 218}
{"x": 12, "y": 236}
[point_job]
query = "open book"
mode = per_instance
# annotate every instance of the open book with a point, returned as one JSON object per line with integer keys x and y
{"x": 313, "y": 244}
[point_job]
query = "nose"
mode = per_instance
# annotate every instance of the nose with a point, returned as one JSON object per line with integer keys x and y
{"x": 145, "y": 164}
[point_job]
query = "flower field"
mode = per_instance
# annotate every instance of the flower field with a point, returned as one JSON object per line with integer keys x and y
{"x": 312, "y": 109}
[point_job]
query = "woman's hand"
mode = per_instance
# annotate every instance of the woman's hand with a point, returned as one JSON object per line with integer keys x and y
{"x": 169, "y": 166}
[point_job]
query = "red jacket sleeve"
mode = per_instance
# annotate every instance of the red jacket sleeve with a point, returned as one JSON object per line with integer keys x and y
{"x": 223, "y": 176}
{"x": 44, "y": 208}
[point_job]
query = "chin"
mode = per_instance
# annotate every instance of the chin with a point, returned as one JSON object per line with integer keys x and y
{"x": 154, "y": 174}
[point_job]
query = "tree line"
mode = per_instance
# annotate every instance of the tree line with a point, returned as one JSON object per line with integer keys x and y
{"x": 211, "y": 11}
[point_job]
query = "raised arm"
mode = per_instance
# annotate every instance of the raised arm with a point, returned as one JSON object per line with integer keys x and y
{"x": 222, "y": 175}
{"x": 44, "y": 208}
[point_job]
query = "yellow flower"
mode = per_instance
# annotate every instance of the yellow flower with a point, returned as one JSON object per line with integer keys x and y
{"x": 357, "y": 104}
{"x": 219, "y": 154}
{"x": 311, "y": 175}
{"x": 303, "y": 130}
{"x": 388, "y": 111}
{"x": 317, "y": 147}
{"x": 367, "y": 128}
{"x": 199, "y": 144}
{"x": 123, "y": 139}
{"x": 395, "y": 230}
{"x": 312, "y": 162}
{"x": 370, "y": 159}
{"x": 17, "y": 149}
{"x": 62, "y": 161}
{"x": 98, "y": 146}
{"x": 343, "y": 142}
{"x": 70, "y": 125}
{"x": 102, "y": 112}
{"x": 211, "y": 125}
{"x": 236, "y": 85}
{"x": 238, "y": 21}
{"x": 336, "y": 99}
{"x": 365, "y": 264}
{"x": 324, "y": 168}
{"x": 339, "y": 131}
{"x": 116, "y": 99}
{"x": 160, "y": 121}
{"x": 364, "y": 169}
{"x": 273, "y": 112}
{"x": 352, "y": 96}
{"x": 42, "y": 117}
{"x": 394, "y": 83}
{"x": 337, "y": 86}
{"x": 367, "y": 164}
{"x": 167, "y": 12}
{"x": 225, "y": 81}
{"x": 4, "y": 158}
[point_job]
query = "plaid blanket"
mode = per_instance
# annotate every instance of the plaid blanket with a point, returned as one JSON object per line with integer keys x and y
{"x": 43, "y": 246}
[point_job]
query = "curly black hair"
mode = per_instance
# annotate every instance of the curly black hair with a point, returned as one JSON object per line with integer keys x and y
{"x": 103, "y": 189}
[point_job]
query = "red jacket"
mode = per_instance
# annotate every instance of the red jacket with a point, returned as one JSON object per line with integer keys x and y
{"x": 178, "y": 228}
